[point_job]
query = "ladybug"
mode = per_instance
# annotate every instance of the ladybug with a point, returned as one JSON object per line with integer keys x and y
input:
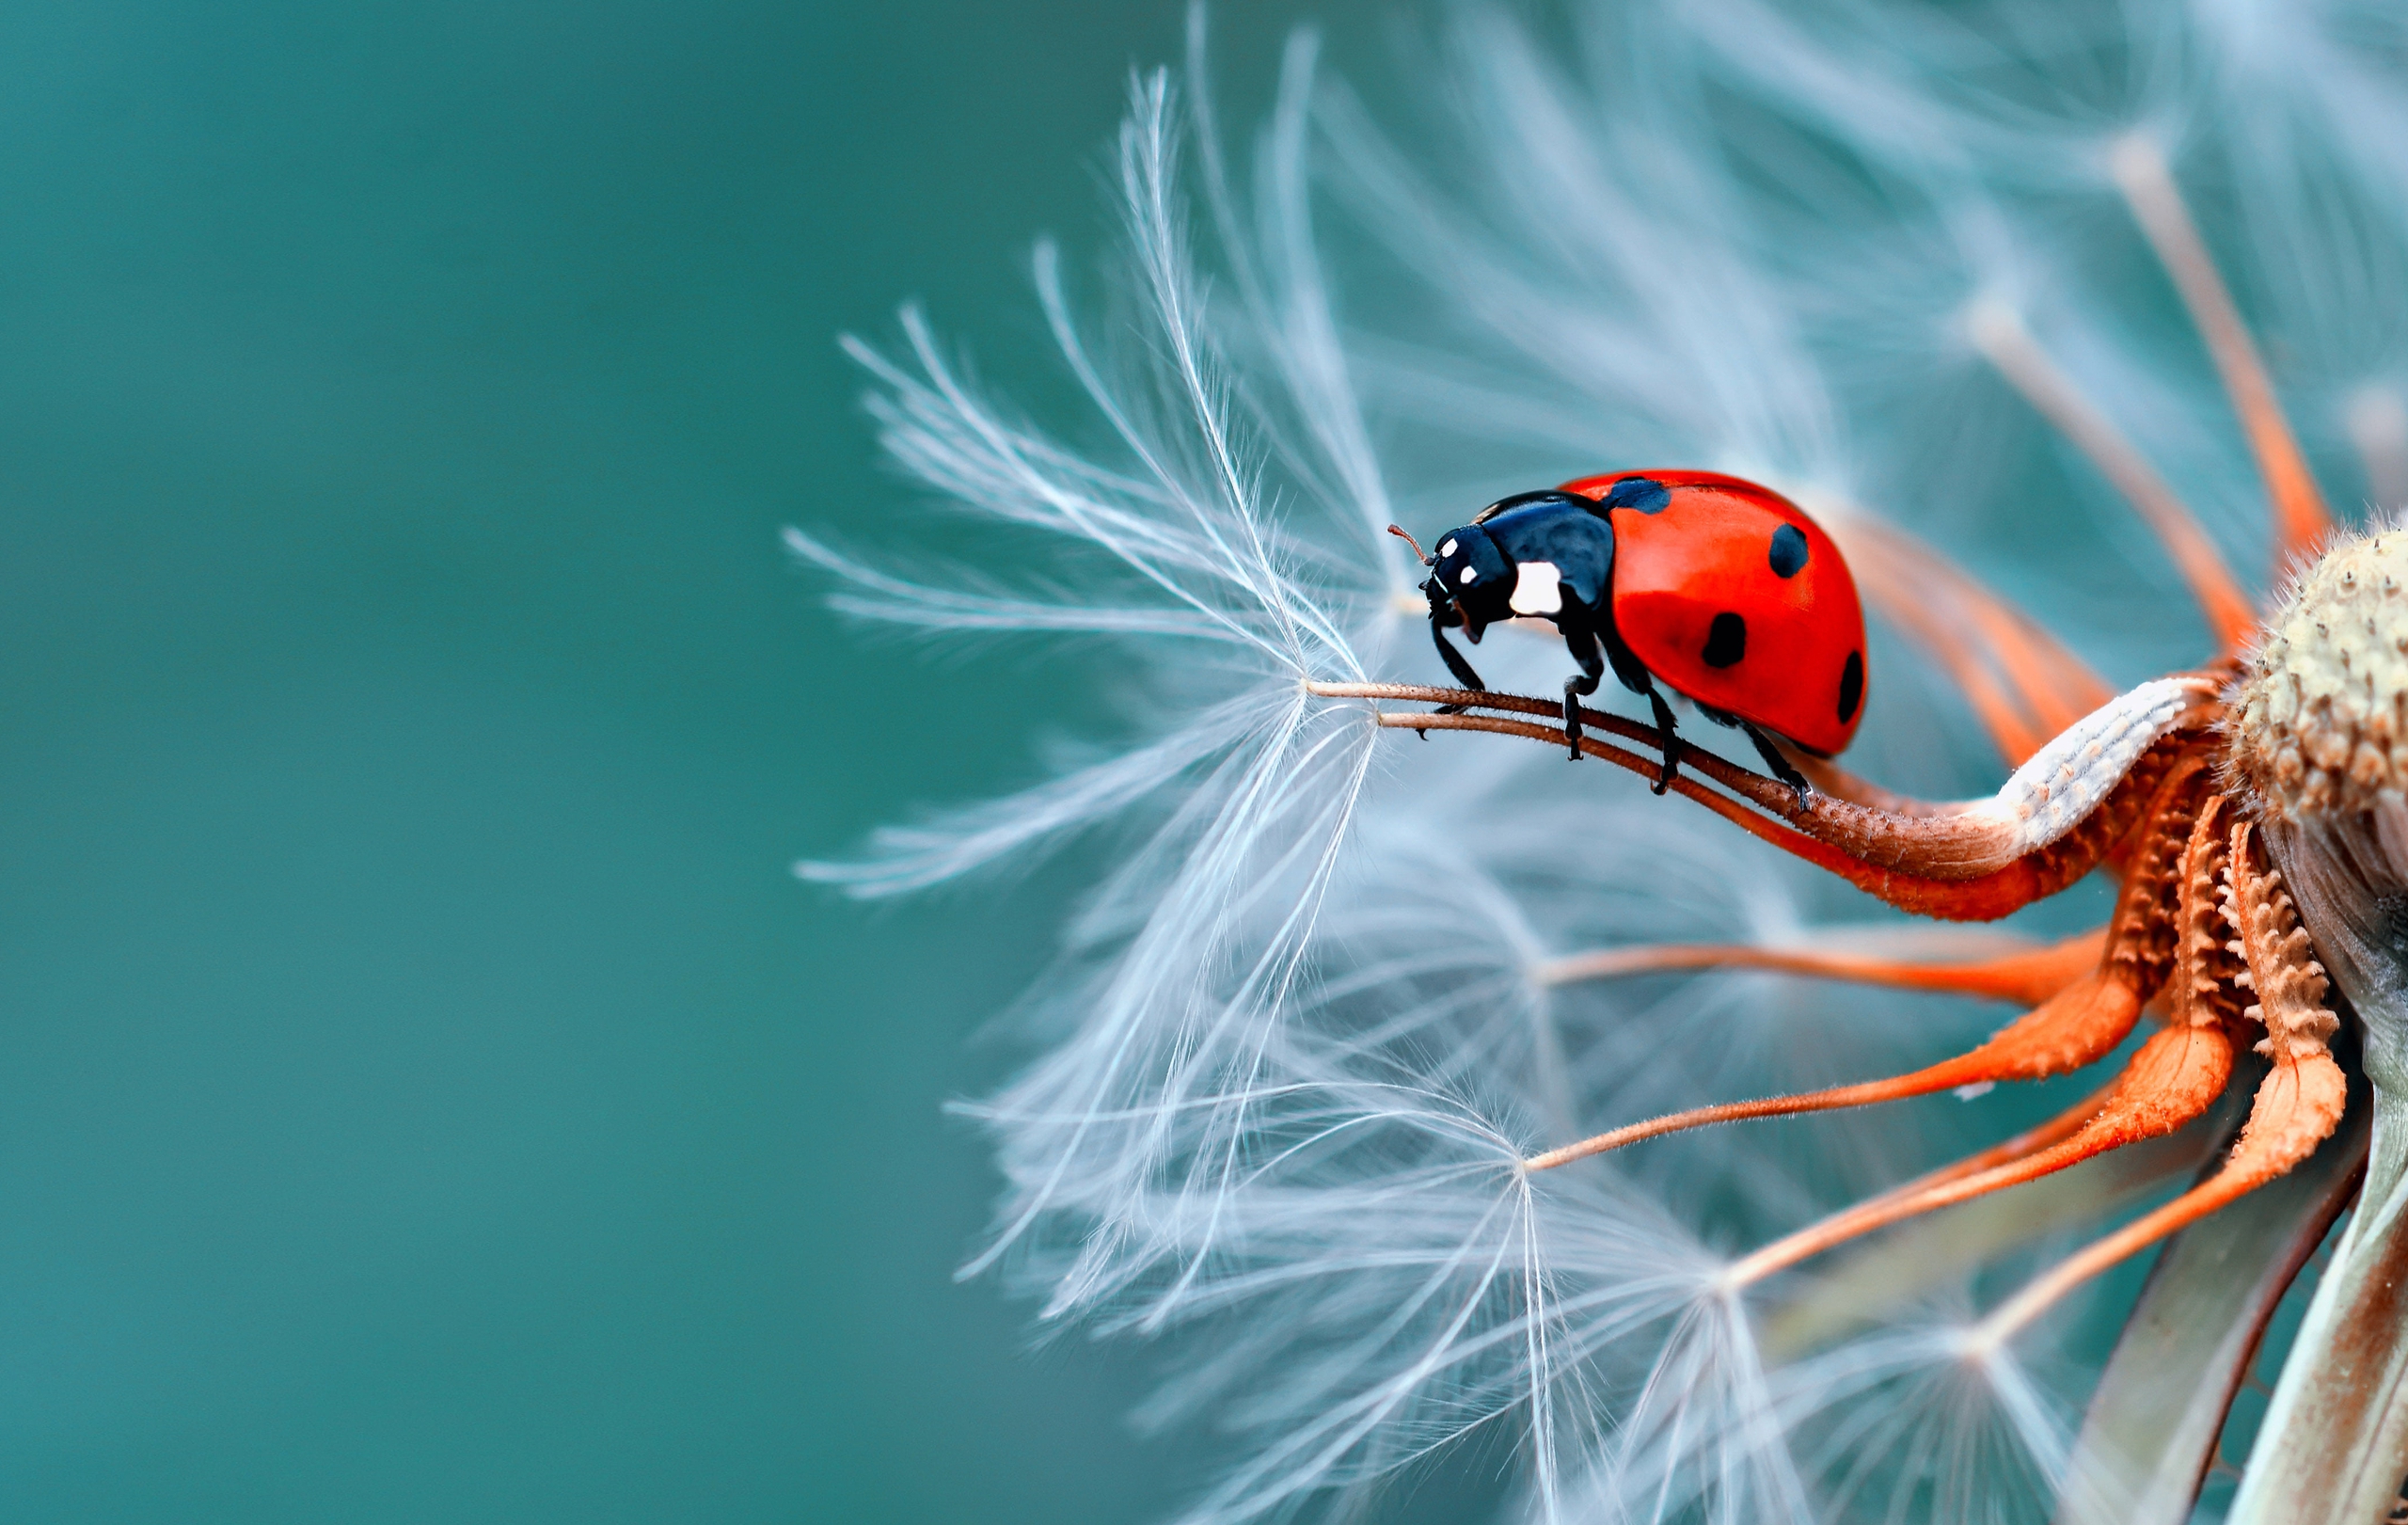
{"x": 1720, "y": 590}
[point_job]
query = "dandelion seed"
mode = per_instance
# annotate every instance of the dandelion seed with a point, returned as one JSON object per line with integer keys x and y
{"x": 1326, "y": 1060}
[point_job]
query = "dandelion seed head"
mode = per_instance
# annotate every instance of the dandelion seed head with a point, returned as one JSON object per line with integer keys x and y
{"x": 1320, "y": 1005}
{"x": 2323, "y": 724}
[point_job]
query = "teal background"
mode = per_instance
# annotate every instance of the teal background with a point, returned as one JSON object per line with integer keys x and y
{"x": 424, "y": 1092}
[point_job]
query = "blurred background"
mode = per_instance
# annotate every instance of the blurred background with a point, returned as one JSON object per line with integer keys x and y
{"x": 426, "y": 1092}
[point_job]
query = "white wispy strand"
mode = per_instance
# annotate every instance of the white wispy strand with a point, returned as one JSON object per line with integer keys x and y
{"x": 1195, "y": 1147}
{"x": 1582, "y": 192}
{"x": 1308, "y": 1140}
{"x": 1302, "y": 1032}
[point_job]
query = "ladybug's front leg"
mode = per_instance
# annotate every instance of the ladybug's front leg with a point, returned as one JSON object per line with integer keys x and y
{"x": 1583, "y": 644}
{"x": 1441, "y": 615}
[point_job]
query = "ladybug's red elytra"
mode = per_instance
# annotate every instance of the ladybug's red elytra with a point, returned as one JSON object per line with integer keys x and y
{"x": 1722, "y": 591}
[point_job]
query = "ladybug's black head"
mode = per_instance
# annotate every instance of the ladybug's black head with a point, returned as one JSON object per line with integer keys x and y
{"x": 1471, "y": 574}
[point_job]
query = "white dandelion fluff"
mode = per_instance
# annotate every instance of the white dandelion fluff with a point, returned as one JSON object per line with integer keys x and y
{"x": 1292, "y": 1074}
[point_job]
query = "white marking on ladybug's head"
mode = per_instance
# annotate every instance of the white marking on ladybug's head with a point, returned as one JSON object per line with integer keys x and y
{"x": 1538, "y": 589}
{"x": 1469, "y": 575}
{"x": 1447, "y": 549}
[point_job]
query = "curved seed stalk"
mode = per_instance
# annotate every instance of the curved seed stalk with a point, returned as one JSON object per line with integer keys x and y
{"x": 2150, "y": 1433}
{"x": 2027, "y": 976}
{"x": 2058, "y": 817}
{"x": 2335, "y": 1441}
{"x": 2298, "y": 1104}
{"x": 2078, "y": 1023}
{"x": 1998, "y": 333}
{"x": 2141, "y": 172}
{"x": 1859, "y": 1285}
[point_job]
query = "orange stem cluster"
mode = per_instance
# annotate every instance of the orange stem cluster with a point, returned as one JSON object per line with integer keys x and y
{"x": 2200, "y": 920}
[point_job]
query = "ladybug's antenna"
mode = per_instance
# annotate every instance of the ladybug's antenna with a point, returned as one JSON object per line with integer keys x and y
{"x": 1410, "y": 541}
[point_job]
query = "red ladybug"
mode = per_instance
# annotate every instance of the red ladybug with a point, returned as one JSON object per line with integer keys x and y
{"x": 1720, "y": 590}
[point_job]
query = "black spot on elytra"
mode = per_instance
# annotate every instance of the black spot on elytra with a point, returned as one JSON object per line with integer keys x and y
{"x": 1788, "y": 550}
{"x": 1726, "y": 640}
{"x": 1646, "y": 494}
{"x": 1851, "y": 685}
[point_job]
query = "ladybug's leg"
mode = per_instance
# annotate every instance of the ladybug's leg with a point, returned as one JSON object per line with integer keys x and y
{"x": 1441, "y": 617}
{"x": 1782, "y": 769}
{"x": 1456, "y": 663}
{"x": 1582, "y": 643}
{"x": 1663, "y": 722}
{"x": 1635, "y": 677}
